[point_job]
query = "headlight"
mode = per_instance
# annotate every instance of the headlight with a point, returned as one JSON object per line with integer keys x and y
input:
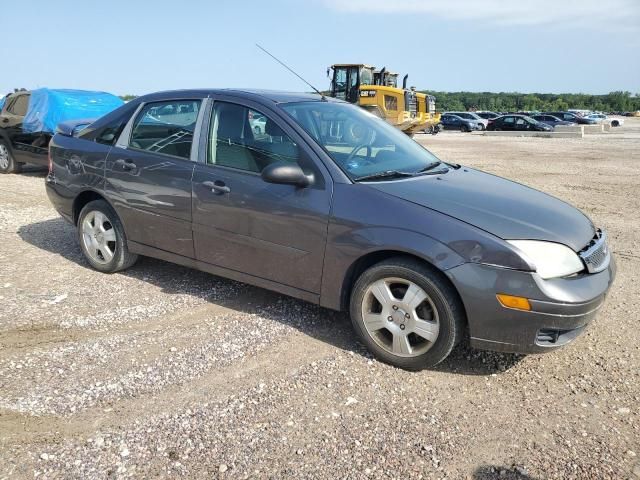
{"x": 550, "y": 259}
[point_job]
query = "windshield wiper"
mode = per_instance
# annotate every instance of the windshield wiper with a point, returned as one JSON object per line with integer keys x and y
{"x": 384, "y": 175}
{"x": 430, "y": 166}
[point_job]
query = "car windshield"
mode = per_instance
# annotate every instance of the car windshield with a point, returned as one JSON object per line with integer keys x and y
{"x": 360, "y": 143}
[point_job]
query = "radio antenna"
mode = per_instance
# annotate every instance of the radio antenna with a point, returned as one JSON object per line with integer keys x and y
{"x": 291, "y": 70}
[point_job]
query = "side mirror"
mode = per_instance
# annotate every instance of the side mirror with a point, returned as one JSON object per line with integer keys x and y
{"x": 286, "y": 173}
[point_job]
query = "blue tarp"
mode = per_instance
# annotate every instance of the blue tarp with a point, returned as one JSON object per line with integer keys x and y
{"x": 2, "y": 100}
{"x": 49, "y": 107}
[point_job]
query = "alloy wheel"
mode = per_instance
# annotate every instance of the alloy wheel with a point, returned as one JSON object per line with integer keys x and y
{"x": 400, "y": 317}
{"x": 4, "y": 157}
{"x": 99, "y": 237}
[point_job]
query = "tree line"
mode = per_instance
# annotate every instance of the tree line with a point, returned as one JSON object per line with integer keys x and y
{"x": 516, "y": 102}
{"x": 511, "y": 102}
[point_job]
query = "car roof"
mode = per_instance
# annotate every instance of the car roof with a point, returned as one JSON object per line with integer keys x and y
{"x": 264, "y": 96}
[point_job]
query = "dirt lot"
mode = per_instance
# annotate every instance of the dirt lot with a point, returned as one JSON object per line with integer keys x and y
{"x": 163, "y": 371}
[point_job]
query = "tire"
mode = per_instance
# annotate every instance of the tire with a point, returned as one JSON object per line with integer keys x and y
{"x": 445, "y": 328}
{"x": 465, "y": 129}
{"x": 8, "y": 164}
{"x": 615, "y": 123}
{"x": 103, "y": 254}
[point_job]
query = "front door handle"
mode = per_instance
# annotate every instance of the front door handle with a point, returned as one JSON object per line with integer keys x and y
{"x": 126, "y": 164}
{"x": 218, "y": 187}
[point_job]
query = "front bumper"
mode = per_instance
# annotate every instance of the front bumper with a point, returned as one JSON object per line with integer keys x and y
{"x": 561, "y": 308}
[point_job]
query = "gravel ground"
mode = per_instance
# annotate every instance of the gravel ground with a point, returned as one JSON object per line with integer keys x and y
{"x": 163, "y": 371}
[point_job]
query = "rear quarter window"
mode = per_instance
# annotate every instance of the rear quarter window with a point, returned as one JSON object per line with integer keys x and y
{"x": 107, "y": 129}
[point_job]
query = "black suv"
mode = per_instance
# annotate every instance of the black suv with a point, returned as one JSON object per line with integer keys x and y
{"x": 16, "y": 146}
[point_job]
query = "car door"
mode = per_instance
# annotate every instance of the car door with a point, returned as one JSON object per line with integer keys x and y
{"x": 508, "y": 123}
{"x": 242, "y": 223}
{"x": 521, "y": 124}
{"x": 149, "y": 172}
{"x": 25, "y": 146}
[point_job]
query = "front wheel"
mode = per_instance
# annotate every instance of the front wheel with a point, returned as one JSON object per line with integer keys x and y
{"x": 8, "y": 164}
{"x": 102, "y": 238}
{"x": 406, "y": 313}
{"x": 465, "y": 129}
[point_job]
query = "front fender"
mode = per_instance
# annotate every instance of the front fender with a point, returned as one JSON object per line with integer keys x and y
{"x": 347, "y": 248}
{"x": 365, "y": 221}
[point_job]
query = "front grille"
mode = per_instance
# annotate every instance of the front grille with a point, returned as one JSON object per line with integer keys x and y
{"x": 596, "y": 254}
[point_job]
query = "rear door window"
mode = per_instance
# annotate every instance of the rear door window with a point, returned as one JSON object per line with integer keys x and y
{"x": 166, "y": 127}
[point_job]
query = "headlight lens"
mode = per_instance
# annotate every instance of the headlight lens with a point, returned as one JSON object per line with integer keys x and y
{"x": 550, "y": 259}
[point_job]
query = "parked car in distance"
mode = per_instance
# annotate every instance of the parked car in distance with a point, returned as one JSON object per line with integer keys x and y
{"x": 487, "y": 115}
{"x": 28, "y": 120}
{"x": 517, "y": 123}
{"x": 258, "y": 124}
{"x": 16, "y": 146}
{"x": 551, "y": 120}
{"x": 333, "y": 206}
{"x": 449, "y": 121}
{"x": 602, "y": 118}
{"x": 472, "y": 116}
{"x": 572, "y": 117}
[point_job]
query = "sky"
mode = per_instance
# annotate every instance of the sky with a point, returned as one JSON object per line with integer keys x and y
{"x": 140, "y": 46}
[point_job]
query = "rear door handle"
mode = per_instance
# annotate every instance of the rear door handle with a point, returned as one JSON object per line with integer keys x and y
{"x": 126, "y": 164}
{"x": 218, "y": 187}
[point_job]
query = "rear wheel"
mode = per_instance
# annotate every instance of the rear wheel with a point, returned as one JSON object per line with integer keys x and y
{"x": 406, "y": 313}
{"x": 8, "y": 164}
{"x": 102, "y": 238}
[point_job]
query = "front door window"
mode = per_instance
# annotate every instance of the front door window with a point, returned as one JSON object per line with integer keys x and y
{"x": 247, "y": 140}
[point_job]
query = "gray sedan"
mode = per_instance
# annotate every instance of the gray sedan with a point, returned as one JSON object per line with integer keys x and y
{"x": 334, "y": 206}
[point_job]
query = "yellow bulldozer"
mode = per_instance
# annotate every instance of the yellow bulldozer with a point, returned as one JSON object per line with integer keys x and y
{"x": 377, "y": 91}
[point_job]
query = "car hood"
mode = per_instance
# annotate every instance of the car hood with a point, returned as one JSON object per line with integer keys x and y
{"x": 501, "y": 207}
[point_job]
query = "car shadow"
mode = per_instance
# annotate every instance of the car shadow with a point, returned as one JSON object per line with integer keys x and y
{"x": 491, "y": 472}
{"x": 59, "y": 237}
